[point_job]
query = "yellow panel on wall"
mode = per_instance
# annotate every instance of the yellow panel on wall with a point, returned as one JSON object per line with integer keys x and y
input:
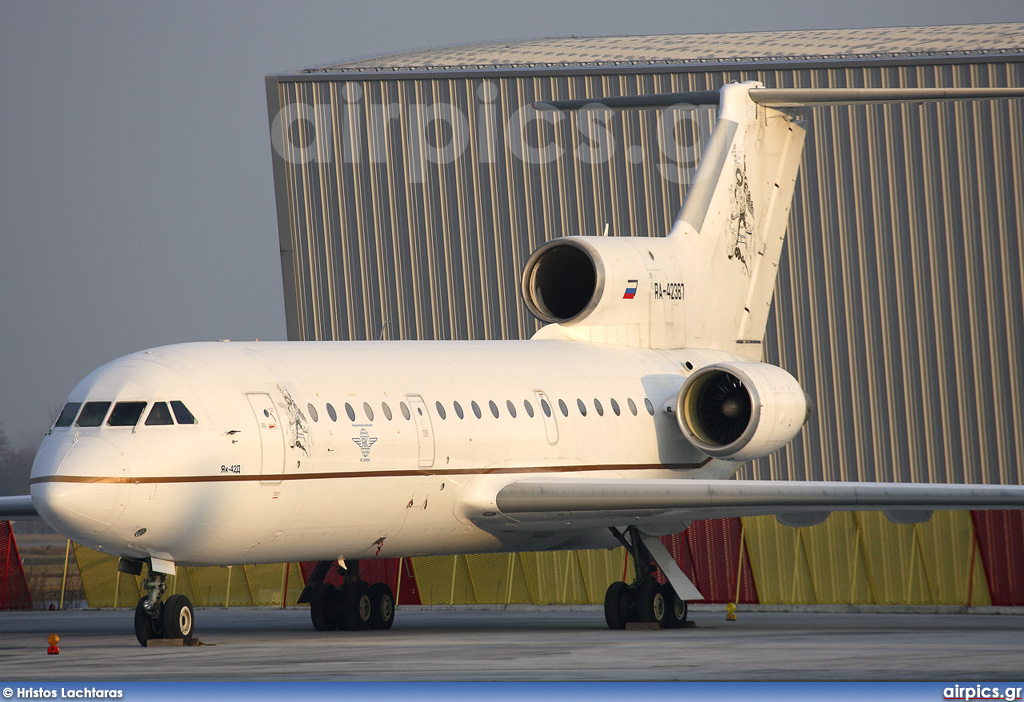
{"x": 250, "y": 585}
{"x": 563, "y": 577}
{"x": 863, "y": 558}
{"x": 103, "y": 585}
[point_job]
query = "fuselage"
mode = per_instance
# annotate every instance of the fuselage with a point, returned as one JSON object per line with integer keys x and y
{"x": 226, "y": 453}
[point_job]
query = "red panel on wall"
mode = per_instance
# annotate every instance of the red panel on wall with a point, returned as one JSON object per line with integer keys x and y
{"x": 1001, "y": 542}
{"x": 378, "y": 570}
{"x": 14, "y": 592}
{"x": 708, "y": 552}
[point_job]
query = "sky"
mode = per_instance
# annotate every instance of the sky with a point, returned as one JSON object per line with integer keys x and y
{"x": 136, "y": 194}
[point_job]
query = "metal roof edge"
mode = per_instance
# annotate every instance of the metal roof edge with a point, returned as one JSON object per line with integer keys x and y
{"x": 489, "y": 71}
{"x": 549, "y": 43}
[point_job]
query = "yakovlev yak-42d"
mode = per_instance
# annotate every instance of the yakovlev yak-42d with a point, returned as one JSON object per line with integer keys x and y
{"x": 621, "y": 420}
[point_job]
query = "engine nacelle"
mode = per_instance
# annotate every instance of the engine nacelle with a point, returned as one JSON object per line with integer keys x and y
{"x": 566, "y": 279}
{"x": 741, "y": 410}
{"x": 621, "y": 290}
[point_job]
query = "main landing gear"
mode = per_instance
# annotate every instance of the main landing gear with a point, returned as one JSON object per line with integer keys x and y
{"x": 645, "y": 600}
{"x": 354, "y": 606}
{"x": 155, "y": 618}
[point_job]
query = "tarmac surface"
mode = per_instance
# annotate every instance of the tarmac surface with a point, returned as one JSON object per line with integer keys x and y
{"x": 547, "y": 645}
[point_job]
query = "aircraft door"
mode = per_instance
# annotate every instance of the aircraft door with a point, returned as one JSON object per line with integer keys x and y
{"x": 547, "y": 413}
{"x": 424, "y": 431}
{"x": 271, "y": 437}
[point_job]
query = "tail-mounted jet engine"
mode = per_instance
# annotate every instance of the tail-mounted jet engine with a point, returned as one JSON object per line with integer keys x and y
{"x": 601, "y": 289}
{"x": 574, "y": 278}
{"x": 561, "y": 280}
{"x": 741, "y": 410}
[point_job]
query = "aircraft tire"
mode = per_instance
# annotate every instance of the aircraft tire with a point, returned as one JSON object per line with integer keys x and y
{"x": 382, "y": 606}
{"x": 651, "y": 605}
{"x": 676, "y": 610}
{"x": 146, "y": 627}
{"x": 356, "y": 606}
{"x": 178, "y": 618}
{"x": 320, "y": 606}
{"x": 618, "y": 603}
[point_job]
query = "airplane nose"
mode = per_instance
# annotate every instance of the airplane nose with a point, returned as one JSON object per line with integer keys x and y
{"x": 81, "y": 492}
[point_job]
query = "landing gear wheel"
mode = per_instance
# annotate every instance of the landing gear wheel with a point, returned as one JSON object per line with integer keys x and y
{"x": 382, "y": 606}
{"x": 650, "y": 602}
{"x": 178, "y": 618}
{"x": 618, "y": 605}
{"x": 146, "y": 627}
{"x": 675, "y": 615}
{"x": 322, "y": 608}
{"x": 356, "y": 606}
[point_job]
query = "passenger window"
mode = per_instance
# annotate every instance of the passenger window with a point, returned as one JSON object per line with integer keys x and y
{"x": 476, "y": 408}
{"x": 331, "y": 412}
{"x": 494, "y": 408}
{"x": 598, "y": 407}
{"x": 615, "y": 407}
{"x": 159, "y": 415}
{"x": 458, "y": 409}
{"x": 511, "y": 408}
{"x": 545, "y": 407}
{"x": 387, "y": 410}
{"x": 350, "y": 412}
{"x": 68, "y": 414}
{"x": 312, "y": 412}
{"x": 582, "y": 407}
{"x": 440, "y": 410}
{"x": 93, "y": 414}
{"x": 126, "y": 414}
{"x": 649, "y": 406}
{"x": 368, "y": 410}
{"x": 405, "y": 410}
{"x": 632, "y": 405}
{"x": 181, "y": 413}
{"x": 529, "y": 407}
{"x": 561, "y": 406}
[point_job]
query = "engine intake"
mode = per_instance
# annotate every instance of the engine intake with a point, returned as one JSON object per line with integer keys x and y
{"x": 560, "y": 281}
{"x": 741, "y": 410}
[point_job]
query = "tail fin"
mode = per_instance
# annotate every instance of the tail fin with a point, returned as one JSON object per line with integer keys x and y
{"x": 733, "y": 222}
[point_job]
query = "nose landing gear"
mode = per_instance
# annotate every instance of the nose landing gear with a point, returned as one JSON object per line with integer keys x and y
{"x": 156, "y": 619}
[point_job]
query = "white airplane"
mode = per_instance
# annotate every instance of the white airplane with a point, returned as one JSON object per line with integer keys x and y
{"x": 621, "y": 420}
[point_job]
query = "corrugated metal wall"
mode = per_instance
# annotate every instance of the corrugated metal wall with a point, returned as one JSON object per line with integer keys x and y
{"x": 406, "y": 213}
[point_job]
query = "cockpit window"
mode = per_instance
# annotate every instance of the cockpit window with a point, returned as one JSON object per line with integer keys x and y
{"x": 92, "y": 414}
{"x": 126, "y": 414}
{"x": 159, "y": 415}
{"x": 181, "y": 413}
{"x": 68, "y": 414}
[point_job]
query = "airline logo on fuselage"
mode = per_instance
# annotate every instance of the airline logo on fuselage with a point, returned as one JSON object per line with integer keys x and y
{"x": 630, "y": 290}
{"x": 364, "y": 441}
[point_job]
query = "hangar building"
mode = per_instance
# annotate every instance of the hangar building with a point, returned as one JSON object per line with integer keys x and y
{"x": 411, "y": 188}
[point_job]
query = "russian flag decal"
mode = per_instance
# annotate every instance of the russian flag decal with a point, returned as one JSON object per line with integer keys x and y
{"x": 630, "y": 290}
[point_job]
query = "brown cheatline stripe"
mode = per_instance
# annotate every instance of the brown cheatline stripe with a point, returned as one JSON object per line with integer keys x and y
{"x": 421, "y": 473}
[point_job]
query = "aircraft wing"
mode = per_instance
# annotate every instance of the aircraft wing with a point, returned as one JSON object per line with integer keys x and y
{"x": 592, "y": 502}
{"x": 17, "y": 507}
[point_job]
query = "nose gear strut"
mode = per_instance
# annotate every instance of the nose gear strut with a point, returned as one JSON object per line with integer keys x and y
{"x": 157, "y": 619}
